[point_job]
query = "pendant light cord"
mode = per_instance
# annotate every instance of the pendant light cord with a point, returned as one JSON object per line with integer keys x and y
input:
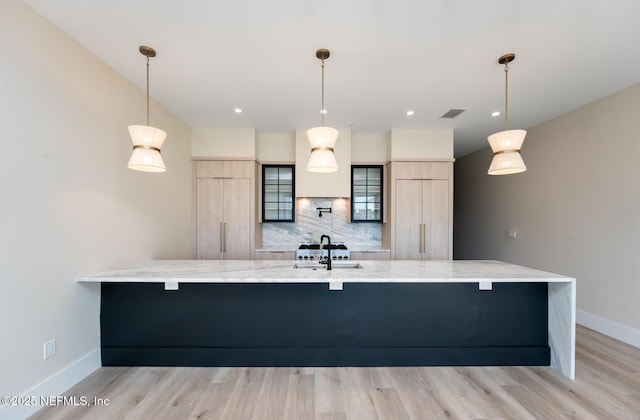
{"x": 322, "y": 110}
{"x": 148, "y": 90}
{"x": 506, "y": 96}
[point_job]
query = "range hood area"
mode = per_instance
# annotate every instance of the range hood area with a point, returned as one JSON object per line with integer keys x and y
{"x": 335, "y": 184}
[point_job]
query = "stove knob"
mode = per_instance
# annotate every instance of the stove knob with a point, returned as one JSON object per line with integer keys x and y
{"x": 346, "y": 257}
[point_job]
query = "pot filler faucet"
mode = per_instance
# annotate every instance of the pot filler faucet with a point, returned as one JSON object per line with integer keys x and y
{"x": 328, "y": 261}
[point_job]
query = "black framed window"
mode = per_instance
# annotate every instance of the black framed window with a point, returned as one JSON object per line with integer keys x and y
{"x": 278, "y": 189}
{"x": 366, "y": 193}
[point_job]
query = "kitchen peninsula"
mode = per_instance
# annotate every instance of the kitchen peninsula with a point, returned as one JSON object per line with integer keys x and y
{"x": 386, "y": 313}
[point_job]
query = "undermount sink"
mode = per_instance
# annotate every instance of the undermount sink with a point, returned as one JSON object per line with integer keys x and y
{"x": 334, "y": 266}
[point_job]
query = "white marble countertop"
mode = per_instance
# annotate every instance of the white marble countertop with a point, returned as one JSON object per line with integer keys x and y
{"x": 256, "y": 271}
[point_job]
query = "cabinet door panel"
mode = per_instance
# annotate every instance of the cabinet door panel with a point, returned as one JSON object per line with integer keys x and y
{"x": 435, "y": 205}
{"x": 209, "y": 216}
{"x": 422, "y": 170}
{"x": 237, "y": 219}
{"x": 408, "y": 219}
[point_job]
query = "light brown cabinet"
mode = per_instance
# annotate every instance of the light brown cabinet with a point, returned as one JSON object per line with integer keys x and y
{"x": 421, "y": 208}
{"x": 225, "y": 209}
{"x": 422, "y": 219}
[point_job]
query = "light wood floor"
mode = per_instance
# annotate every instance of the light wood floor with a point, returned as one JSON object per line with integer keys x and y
{"x": 607, "y": 386}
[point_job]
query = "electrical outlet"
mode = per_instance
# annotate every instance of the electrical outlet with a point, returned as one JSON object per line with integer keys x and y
{"x": 49, "y": 349}
{"x": 512, "y": 233}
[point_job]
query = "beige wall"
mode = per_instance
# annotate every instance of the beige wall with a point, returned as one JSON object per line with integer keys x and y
{"x": 69, "y": 205}
{"x": 412, "y": 143}
{"x": 276, "y": 148}
{"x": 223, "y": 142}
{"x": 576, "y": 210}
{"x": 281, "y": 147}
{"x": 369, "y": 148}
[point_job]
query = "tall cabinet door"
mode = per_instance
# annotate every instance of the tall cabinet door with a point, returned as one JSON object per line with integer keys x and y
{"x": 421, "y": 210}
{"x": 408, "y": 219}
{"x": 435, "y": 219}
{"x": 209, "y": 218}
{"x": 237, "y": 219}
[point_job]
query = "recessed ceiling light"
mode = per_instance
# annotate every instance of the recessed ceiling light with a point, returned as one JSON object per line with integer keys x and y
{"x": 495, "y": 114}
{"x": 410, "y": 113}
{"x": 238, "y": 110}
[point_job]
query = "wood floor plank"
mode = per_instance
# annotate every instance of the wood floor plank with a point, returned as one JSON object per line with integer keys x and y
{"x": 594, "y": 401}
{"x": 301, "y": 402}
{"x": 388, "y": 404}
{"x": 356, "y": 393}
{"x": 272, "y": 399}
{"x": 329, "y": 396}
{"x": 417, "y": 389}
{"x": 559, "y": 400}
{"x": 216, "y": 394}
{"x": 607, "y": 386}
{"x": 490, "y": 397}
{"x": 178, "y": 400}
{"x": 242, "y": 401}
{"x": 133, "y": 393}
{"x": 454, "y": 392}
{"x": 161, "y": 400}
{"x": 331, "y": 416}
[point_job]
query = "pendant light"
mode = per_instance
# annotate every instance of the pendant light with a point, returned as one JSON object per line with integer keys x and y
{"x": 322, "y": 139}
{"x": 147, "y": 140}
{"x": 506, "y": 144}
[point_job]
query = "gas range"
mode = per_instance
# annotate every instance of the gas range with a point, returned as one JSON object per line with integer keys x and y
{"x": 310, "y": 251}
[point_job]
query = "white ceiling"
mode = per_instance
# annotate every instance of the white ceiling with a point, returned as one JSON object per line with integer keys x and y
{"x": 387, "y": 56}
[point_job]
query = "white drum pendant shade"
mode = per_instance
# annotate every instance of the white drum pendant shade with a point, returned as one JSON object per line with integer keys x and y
{"x": 506, "y": 152}
{"x": 322, "y": 141}
{"x": 506, "y": 164}
{"x": 506, "y": 140}
{"x": 506, "y": 144}
{"x": 147, "y": 142}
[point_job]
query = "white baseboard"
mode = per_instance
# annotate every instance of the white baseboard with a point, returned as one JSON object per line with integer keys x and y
{"x": 613, "y": 329}
{"x": 56, "y": 384}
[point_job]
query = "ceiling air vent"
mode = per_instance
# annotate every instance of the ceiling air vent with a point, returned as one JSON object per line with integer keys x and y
{"x": 452, "y": 113}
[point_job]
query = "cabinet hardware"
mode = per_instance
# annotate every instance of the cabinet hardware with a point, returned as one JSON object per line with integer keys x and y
{"x": 225, "y": 237}
{"x": 421, "y": 239}
{"x": 424, "y": 238}
{"x": 221, "y": 238}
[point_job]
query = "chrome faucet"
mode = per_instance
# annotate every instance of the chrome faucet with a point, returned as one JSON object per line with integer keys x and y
{"x": 328, "y": 262}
